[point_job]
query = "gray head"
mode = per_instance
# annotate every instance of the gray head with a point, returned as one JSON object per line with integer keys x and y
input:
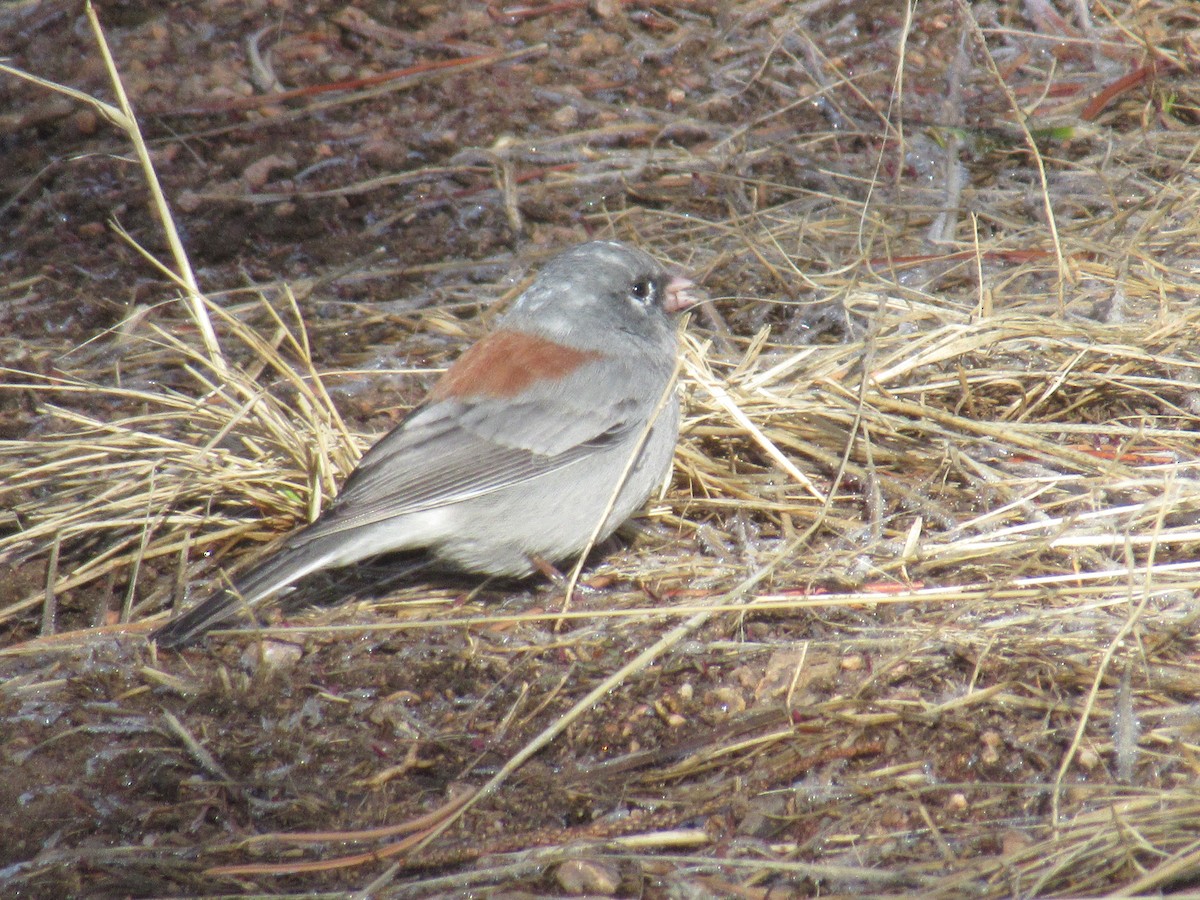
{"x": 587, "y": 293}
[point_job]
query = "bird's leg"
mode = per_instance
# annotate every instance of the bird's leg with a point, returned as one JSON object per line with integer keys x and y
{"x": 548, "y": 569}
{"x": 559, "y": 580}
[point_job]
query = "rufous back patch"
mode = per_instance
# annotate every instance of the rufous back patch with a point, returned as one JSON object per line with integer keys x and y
{"x": 505, "y": 363}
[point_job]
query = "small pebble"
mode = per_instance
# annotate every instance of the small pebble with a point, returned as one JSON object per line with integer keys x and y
{"x": 272, "y": 655}
{"x": 566, "y": 117}
{"x": 588, "y": 876}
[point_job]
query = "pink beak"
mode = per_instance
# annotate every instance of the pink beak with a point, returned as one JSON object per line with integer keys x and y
{"x": 678, "y": 299}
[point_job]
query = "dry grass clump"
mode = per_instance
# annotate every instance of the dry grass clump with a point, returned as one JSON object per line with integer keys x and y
{"x": 121, "y": 492}
{"x": 917, "y": 611}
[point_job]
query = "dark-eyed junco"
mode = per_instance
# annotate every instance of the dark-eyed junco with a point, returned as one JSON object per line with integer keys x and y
{"x": 517, "y": 451}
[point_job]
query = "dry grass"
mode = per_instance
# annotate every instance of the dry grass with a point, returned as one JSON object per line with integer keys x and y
{"x": 936, "y": 510}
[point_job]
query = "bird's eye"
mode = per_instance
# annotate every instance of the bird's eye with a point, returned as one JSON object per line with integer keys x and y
{"x": 642, "y": 291}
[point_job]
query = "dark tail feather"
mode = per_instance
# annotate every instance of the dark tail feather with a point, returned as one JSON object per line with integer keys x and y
{"x": 197, "y": 620}
{"x": 271, "y": 575}
{"x": 277, "y": 572}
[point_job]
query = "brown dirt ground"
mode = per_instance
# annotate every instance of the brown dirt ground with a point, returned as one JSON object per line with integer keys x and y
{"x": 854, "y": 749}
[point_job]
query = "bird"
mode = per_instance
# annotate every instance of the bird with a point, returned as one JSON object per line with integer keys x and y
{"x": 518, "y": 450}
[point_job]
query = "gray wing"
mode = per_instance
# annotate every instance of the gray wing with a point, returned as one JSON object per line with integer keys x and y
{"x": 460, "y": 449}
